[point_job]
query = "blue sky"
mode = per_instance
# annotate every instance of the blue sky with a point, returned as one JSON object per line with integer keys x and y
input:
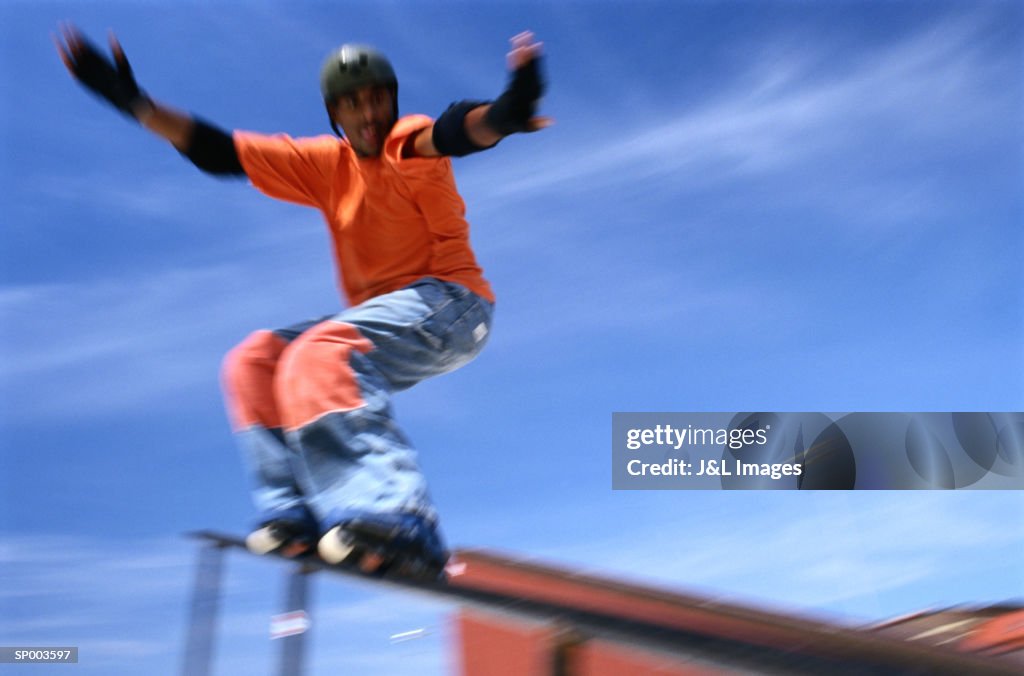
{"x": 743, "y": 206}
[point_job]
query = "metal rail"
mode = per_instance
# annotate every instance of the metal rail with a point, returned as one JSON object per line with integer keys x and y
{"x": 863, "y": 654}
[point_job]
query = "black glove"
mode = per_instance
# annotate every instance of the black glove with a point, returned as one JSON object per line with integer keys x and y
{"x": 113, "y": 81}
{"x": 513, "y": 110}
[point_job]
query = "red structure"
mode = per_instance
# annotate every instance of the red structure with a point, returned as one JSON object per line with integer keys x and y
{"x": 606, "y": 627}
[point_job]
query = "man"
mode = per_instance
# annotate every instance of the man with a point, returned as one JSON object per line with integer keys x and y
{"x": 310, "y": 403}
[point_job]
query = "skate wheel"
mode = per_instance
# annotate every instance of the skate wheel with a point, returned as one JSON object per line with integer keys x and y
{"x": 262, "y": 541}
{"x": 336, "y": 546}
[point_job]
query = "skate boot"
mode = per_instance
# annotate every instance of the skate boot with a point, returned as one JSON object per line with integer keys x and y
{"x": 402, "y": 545}
{"x": 283, "y": 537}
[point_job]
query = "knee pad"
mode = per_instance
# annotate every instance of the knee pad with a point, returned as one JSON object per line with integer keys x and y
{"x": 247, "y": 378}
{"x": 316, "y": 376}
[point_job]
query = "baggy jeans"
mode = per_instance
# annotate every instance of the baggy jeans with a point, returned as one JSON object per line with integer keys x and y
{"x": 311, "y": 403}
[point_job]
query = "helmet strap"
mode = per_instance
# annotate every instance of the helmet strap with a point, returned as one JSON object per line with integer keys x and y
{"x": 330, "y": 117}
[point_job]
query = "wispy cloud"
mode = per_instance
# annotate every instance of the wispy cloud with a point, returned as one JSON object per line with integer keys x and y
{"x": 125, "y": 605}
{"x": 845, "y": 127}
{"x": 153, "y": 336}
{"x": 113, "y": 600}
{"x": 857, "y": 556}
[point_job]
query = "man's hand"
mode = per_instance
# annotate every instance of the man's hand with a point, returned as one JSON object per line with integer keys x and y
{"x": 471, "y": 126}
{"x": 111, "y": 80}
{"x": 514, "y": 110}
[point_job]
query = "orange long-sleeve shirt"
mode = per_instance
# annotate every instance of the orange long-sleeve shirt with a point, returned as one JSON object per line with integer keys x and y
{"x": 392, "y": 220}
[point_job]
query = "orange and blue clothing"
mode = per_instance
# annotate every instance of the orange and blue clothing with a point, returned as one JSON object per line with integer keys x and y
{"x": 311, "y": 402}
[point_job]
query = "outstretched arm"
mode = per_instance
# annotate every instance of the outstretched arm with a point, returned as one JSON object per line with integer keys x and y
{"x": 471, "y": 126}
{"x": 207, "y": 147}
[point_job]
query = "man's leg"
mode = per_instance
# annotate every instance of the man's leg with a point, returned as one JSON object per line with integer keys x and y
{"x": 284, "y": 521}
{"x": 334, "y": 384}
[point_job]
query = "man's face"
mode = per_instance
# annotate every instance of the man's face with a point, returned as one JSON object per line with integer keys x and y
{"x": 366, "y": 117}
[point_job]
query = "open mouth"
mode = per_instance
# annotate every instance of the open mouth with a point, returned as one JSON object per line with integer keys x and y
{"x": 371, "y": 135}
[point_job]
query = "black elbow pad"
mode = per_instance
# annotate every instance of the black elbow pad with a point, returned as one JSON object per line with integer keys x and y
{"x": 449, "y": 134}
{"x": 213, "y": 150}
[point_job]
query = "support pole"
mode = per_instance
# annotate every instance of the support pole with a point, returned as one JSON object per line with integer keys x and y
{"x": 202, "y": 626}
{"x": 293, "y": 646}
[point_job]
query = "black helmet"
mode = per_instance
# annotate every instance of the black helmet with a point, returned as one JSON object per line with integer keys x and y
{"x": 352, "y": 66}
